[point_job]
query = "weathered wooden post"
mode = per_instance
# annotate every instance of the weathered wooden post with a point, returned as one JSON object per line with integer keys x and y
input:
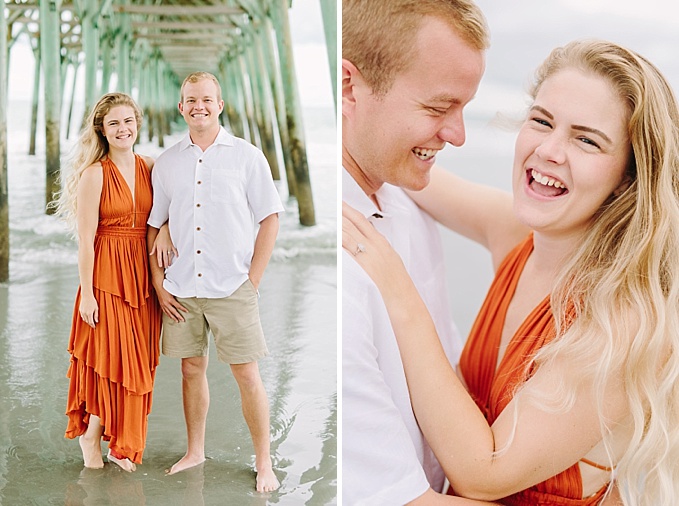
{"x": 76, "y": 66}
{"x": 264, "y": 100}
{"x": 276, "y": 84}
{"x": 90, "y": 45}
{"x": 124, "y": 46}
{"x": 4, "y": 193}
{"x": 36, "y": 97}
{"x": 50, "y": 46}
{"x": 305, "y": 202}
{"x": 329, "y": 10}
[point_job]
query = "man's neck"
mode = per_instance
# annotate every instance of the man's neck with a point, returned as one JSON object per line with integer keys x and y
{"x": 367, "y": 184}
{"x": 204, "y": 138}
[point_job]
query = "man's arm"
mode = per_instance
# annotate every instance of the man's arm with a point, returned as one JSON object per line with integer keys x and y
{"x": 264, "y": 243}
{"x": 168, "y": 303}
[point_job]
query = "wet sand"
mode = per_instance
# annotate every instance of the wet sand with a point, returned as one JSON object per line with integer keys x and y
{"x": 39, "y": 466}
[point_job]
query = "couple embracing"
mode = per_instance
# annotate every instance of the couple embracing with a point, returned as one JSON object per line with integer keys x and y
{"x": 567, "y": 391}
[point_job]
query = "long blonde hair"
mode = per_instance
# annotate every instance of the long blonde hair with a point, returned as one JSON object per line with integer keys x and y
{"x": 91, "y": 147}
{"x": 623, "y": 280}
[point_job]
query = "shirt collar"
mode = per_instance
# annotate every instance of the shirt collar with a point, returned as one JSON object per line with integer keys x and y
{"x": 354, "y": 195}
{"x": 223, "y": 137}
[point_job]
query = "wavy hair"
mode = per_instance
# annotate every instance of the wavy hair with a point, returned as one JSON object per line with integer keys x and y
{"x": 91, "y": 147}
{"x": 616, "y": 302}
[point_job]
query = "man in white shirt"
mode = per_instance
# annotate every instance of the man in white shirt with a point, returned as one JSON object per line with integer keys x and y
{"x": 408, "y": 70}
{"x": 214, "y": 189}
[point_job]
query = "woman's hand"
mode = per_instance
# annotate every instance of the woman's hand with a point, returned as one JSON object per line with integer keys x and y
{"x": 372, "y": 251}
{"x": 89, "y": 310}
{"x": 163, "y": 247}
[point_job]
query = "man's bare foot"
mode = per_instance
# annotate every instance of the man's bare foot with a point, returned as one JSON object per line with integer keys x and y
{"x": 186, "y": 462}
{"x": 266, "y": 479}
{"x": 122, "y": 462}
{"x": 91, "y": 452}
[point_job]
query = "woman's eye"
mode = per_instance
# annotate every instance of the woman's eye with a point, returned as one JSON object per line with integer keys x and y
{"x": 589, "y": 141}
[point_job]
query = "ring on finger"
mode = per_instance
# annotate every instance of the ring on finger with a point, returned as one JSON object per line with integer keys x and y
{"x": 360, "y": 248}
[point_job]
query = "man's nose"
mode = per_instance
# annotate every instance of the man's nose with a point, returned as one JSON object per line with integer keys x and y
{"x": 452, "y": 130}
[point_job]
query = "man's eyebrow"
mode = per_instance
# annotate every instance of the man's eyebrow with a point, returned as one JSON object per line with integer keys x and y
{"x": 444, "y": 97}
{"x": 575, "y": 127}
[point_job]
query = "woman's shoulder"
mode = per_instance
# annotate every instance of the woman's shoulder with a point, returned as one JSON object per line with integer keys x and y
{"x": 148, "y": 161}
{"x": 93, "y": 171}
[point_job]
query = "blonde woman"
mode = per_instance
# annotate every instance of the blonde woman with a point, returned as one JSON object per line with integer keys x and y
{"x": 116, "y": 322}
{"x": 572, "y": 365}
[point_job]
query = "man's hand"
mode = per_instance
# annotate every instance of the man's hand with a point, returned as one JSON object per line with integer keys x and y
{"x": 169, "y": 304}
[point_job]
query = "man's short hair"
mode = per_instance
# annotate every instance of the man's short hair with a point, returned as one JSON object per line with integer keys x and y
{"x": 194, "y": 77}
{"x": 378, "y": 35}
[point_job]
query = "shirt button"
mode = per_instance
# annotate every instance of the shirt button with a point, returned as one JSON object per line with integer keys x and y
{"x": 200, "y": 160}
{"x": 200, "y": 182}
{"x": 198, "y": 252}
{"x": 200, "y": 274}
{"x": 198, "y": 228}
{"x": 197, "y": 205}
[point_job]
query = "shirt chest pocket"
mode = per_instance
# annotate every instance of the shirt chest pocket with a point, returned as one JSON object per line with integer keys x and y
{"x": 226, "y": 187}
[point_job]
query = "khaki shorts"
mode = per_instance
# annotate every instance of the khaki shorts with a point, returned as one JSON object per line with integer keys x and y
{"x": 233, "y": 320}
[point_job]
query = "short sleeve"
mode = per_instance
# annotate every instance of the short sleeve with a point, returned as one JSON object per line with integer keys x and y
{"x": 261, "y": 191}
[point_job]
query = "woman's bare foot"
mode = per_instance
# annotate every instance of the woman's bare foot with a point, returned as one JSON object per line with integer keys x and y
{"x": 122, "y": 462}
{"x": 266, "y": 479}
{"x": 186, "y": 462}
{"x": 91, "y": 449}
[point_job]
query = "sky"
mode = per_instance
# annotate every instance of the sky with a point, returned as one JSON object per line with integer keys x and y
{"x": 523, "y": 33}
{"x": 311, "y": 60}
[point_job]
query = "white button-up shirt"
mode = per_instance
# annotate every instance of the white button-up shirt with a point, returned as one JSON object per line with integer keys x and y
{"x": 386, "y": 460}
{"x": 214, "y": 201}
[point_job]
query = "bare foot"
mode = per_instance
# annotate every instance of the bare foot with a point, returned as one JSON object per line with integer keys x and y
{"x": 122, "y": 463}
{"x": 186, "y": 462}
{"x": 91, "y": 452}
{"x": 266, "y": 479}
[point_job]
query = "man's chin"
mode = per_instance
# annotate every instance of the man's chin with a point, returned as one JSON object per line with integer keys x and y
{"x": 418, "y": 184}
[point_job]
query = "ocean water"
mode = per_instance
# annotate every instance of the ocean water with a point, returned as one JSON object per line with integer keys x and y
{"x": 298, "y": 309}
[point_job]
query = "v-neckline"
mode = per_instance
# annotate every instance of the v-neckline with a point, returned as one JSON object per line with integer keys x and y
{"x": 130, "y": 190}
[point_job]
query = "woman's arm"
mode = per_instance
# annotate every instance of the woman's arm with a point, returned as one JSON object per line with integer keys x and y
{"x": 542, "y": 443}
{"x": 481, "y": 213}
{"x": 87, "y": 216}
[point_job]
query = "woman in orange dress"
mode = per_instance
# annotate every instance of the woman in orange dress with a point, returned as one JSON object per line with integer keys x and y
{"x": 572, "y": 365}
{"x": 116, "y": 320}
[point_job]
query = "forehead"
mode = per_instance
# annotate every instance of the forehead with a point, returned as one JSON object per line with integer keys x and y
{"x": 204, "y": 87}
{"x": 443, "y": 65}
{"x": 119, "y": 112}
{"x": 584, "y": 98}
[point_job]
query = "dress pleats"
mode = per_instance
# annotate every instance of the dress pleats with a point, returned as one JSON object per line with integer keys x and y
{"x": 113, "y": 366}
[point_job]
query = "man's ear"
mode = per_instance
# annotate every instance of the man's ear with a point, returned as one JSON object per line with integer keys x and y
{"x": 351, "y": 77}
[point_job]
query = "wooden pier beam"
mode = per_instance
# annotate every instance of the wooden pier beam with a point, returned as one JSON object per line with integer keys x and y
{"x": 305, "y": 203}
{"x": 4, "y": 193}
{"x": 36, "y": 99}
{"x": 50, "y": 45}
{"x": 329, "y": 11}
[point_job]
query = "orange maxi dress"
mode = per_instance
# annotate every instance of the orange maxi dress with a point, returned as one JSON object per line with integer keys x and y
{"x": 113, "y": 366}
{"x": 492, "y": 390}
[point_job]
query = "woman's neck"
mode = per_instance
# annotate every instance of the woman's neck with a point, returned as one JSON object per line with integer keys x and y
{"x": 551, "y": 252}
{"x": 121, "y": 157}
